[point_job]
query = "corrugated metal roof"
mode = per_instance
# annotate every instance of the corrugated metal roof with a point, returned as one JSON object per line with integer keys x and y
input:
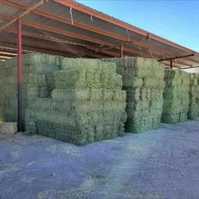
{"x": 72, "y": 29}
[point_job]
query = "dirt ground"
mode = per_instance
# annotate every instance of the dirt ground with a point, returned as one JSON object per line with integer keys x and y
{"x": 158, "y": 164}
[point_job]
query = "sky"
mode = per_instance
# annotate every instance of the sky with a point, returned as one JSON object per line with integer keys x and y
{"x": 176, "y": 20}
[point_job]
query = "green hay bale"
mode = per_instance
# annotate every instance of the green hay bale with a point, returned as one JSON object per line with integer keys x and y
{"x": 87, "y": 74}
{"x": 32, "y": 92}
{"x": 30, "y": 127}
{"x": 194, "y": 97}
{"x": 71, "y": 94}
{"x": 143, "y": 80}
{"x": 37, "y": 79}
{"x": 137, "y": 82}
{"x": 82, "y": 103}
{"x": 170, "y": 118}
{"x": 70, "y": 79}
{"x": 176, "y": 96}
{"x": 42, "y": 60}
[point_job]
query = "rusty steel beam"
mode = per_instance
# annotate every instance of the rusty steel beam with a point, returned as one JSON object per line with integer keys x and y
{"x": 62, "y": 32}
{"x": 191, "y": 67}
{"x": 45, "y": 46}
{"x": 36, "y": 48}
{"x": 115, "y": 55}
{"x": 175, "y": 65}
{"x": 91, "y": 12}
{"x": 70, "y": 46}
{"x": 77, "y": 24}
{"x": 26, "y": 12}
{"x": 8, "y": 50}
{"x": 122, "y": 51}
{"x": 178, "y": 62}
{"x": 54, "y": 51}
{"x": 35, "y": 44}
{"x": 11, "y": 51}
{"x": 61, "y": 42}
{"x": 96, "y": 50}
{"x": 171, "y": 63}
{"x": 75, "y": 35}
{"x": 90, "y": 28}
{"x": 177, "y": 57}
{"x": 7, "y": 54}
{"x": 83, "y": 26}
{"x": 5, "y": 57}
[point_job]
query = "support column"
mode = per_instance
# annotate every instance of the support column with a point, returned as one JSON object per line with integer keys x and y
{"x": 171, "y": 63}
{"x": 122, "y": 50}
{"x": 20, "y": 78}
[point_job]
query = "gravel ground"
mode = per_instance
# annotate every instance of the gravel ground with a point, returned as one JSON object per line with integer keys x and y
{"x": 159, "y": 164}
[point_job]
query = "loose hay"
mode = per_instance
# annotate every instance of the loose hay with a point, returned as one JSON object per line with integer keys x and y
{"x": 8, "y": 128}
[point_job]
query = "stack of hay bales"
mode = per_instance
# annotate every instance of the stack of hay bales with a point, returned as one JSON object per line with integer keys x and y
{"x": 176, "y": 96}
{"x": 143, "y": 80}
{"x": 8, "y": 92}
{"x": 87, "y": 103}
{"x": 37, "y": 67}
{"x": 194, "y": 97}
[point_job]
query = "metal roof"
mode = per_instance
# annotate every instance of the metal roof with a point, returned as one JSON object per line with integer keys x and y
{"x": 71, "y": 29}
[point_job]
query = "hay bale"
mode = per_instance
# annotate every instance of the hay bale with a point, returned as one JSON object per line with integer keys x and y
{"x": 193, "y": 112}
{"x": 143, "y": 80}
{"x": 75, "y": 100}
{"x": 87, "y": 103}
{"x": 176, "y": 96}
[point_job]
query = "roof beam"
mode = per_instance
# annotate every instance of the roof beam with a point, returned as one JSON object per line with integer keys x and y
{"x": 119, "y": 37}
{"x": 96, "y": 51}
{"x": 90, "y": 28}
{"x": 123, "y": 39}
{"x": 46, "y": 46}
{"x": 61, "y": 42}
{"x": 91, "y": 12}
{"x": 58, "y": 31}
{"x": 177, "y": 57}
{"x": 41, "y": 49}
{"x": 7, "y": 53}
{"x": 26, "y": 12}
{"x": 191, "y": 67}
{"x": 62, "y": 32}
{"x": 77, "y": 24}
{"x": 178, "y": 62}
{"x": 127, "y": 51}
{"x": 8, "y": 50}
{"x": 6, "y": 56}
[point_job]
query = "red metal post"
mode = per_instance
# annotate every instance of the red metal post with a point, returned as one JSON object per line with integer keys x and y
{"x": 171, "y": 63}
{"x": 20, "y": 78}
{"x": 122, "y": 50}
